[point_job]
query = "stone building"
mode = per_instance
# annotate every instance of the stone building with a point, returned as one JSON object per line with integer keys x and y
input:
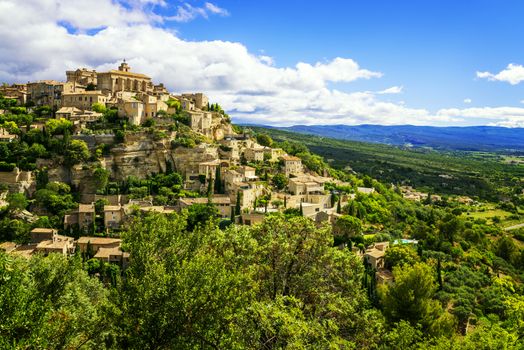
{"x": 375, "y": 255}
{"x": 201, "y": 122}
{"x": 84, "y": 217}
{"x": 48, "y": 92}
{"x": 82, "y": 77}
{"x": 15, "y": 91}
{"x": 95, "y": 243}
{"x": 199, "y": 100}
{"x": 253, "y": 154}
{"x": 113, "y": 216}
{"x": 83, "y": 99}
{"x": 222, "y": 203}
{"x": 123, "y": 80}
{"x": 291, "y": 165}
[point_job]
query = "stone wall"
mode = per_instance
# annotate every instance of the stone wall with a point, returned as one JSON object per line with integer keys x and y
{"x": 95, "y": 140}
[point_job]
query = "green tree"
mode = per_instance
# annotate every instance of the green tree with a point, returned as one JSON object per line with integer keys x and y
{"x": 218, "y": 181}
{"x": 17, "y": 201}
{"x": 264, "y": 140}
{"x": 101, "y": 178}
{"x": 99, "y": 107}
{"x": 50, "y": 303}
{"x": 280, "y": 181}
{"x": 410, "y": 299}
{"x": 399, "y": 255}
{"x": 76, "y": 152}
{"x": 347, "y": 227}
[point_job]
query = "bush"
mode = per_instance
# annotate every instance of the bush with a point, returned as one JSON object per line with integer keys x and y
{"x": 4, "y": 166}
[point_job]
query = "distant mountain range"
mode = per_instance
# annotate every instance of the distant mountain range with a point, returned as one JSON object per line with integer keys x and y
{"x": 473, "y": 138}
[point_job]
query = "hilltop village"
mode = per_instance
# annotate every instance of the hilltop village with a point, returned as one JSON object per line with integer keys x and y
{"x": 93, "y": 151}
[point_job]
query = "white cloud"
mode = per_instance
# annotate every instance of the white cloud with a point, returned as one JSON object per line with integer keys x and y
{"x": 215, "y": 9}
{"x": 467, "y": 100}
{"x": 392, "y": 90}
{"x": 513, "y": 74}
{"x": 500, "y": 116}
{"x": 187, "y": 12}
{"x": 250, "y": 86}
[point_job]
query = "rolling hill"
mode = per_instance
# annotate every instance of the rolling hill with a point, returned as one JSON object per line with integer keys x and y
{"x": 474, "y": 138}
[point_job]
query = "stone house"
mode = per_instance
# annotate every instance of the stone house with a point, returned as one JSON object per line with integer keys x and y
{"x": 272, "y": 154}
{"x": 83, "y": 99}
{"x": 75, "y": 114}
{"x": 222, "y": 203}
{"x": 253, "y": 154}
{"x": 17, "y": 92}
{"x": 113, "y": 255}
{"x": 131, "y": 109}
{"x": 82, "y": 77}
{"x": 198, "y": 99}
{"x": 84, "y": 217}
{"x": 291, "y": 165}
{"x": 42, "y": 234}
{"x": 48, "y": 92}
{"x": 47, "y": 240}
{"x": 113, "y": 216}
{"x": 252, "y": 218}
{"x": 95, "y": 243}
{"x": 58, "y": 244}
{"x": 375, "y": 255}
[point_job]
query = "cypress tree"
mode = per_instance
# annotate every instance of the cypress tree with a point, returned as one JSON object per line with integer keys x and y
{"x": 339, "y": 209}
{"x": 301, "y": 210}
{"x": 237, "y": 204}
{"x": 439, "y": 274}
{"x": 218, "y": 180}
{"x": 285, "y": 202}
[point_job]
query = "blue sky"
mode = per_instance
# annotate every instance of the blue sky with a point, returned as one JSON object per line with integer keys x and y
{"x": 292, "y": 62}
{"x": 431, "y": 48}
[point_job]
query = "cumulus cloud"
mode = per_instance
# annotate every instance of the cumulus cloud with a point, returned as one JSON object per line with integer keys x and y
{"x": 187, "y": 12}
{"x": 513, "y": 74}
{"x": 467, "y": 100}
{"x": 249, "y": 86}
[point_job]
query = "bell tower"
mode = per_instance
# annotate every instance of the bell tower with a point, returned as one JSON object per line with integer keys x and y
{"x": 124, "y": 67}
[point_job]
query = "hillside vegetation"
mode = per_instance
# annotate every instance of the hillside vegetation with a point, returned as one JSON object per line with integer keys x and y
{"x": 478, "y": 174}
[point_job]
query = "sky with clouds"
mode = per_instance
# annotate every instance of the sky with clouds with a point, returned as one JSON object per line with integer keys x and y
{"x": 437, "y": 62}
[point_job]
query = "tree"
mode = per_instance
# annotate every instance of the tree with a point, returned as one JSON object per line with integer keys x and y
{"x": 17, "y": 201}
{"x": 399, "y": 255}
{"x": 506, "y": 248}
{"x": 410, "y": 298}
{"x": 76, "y": 152}
{"x": 347, "y": 227}
{"x": 280, "y": 181}
{"x": 450, "y": 226}
{"x": 264, "y": 140}
{"x": 237, "y": 203}
{"x": 50, "y": 303}
{"x": 218, "y": 181}
{"x": 58, "y": 126}
{"x": 101, "y": 177}
{"x": 99, "y": 107}
{"x": 199, "y": 214}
